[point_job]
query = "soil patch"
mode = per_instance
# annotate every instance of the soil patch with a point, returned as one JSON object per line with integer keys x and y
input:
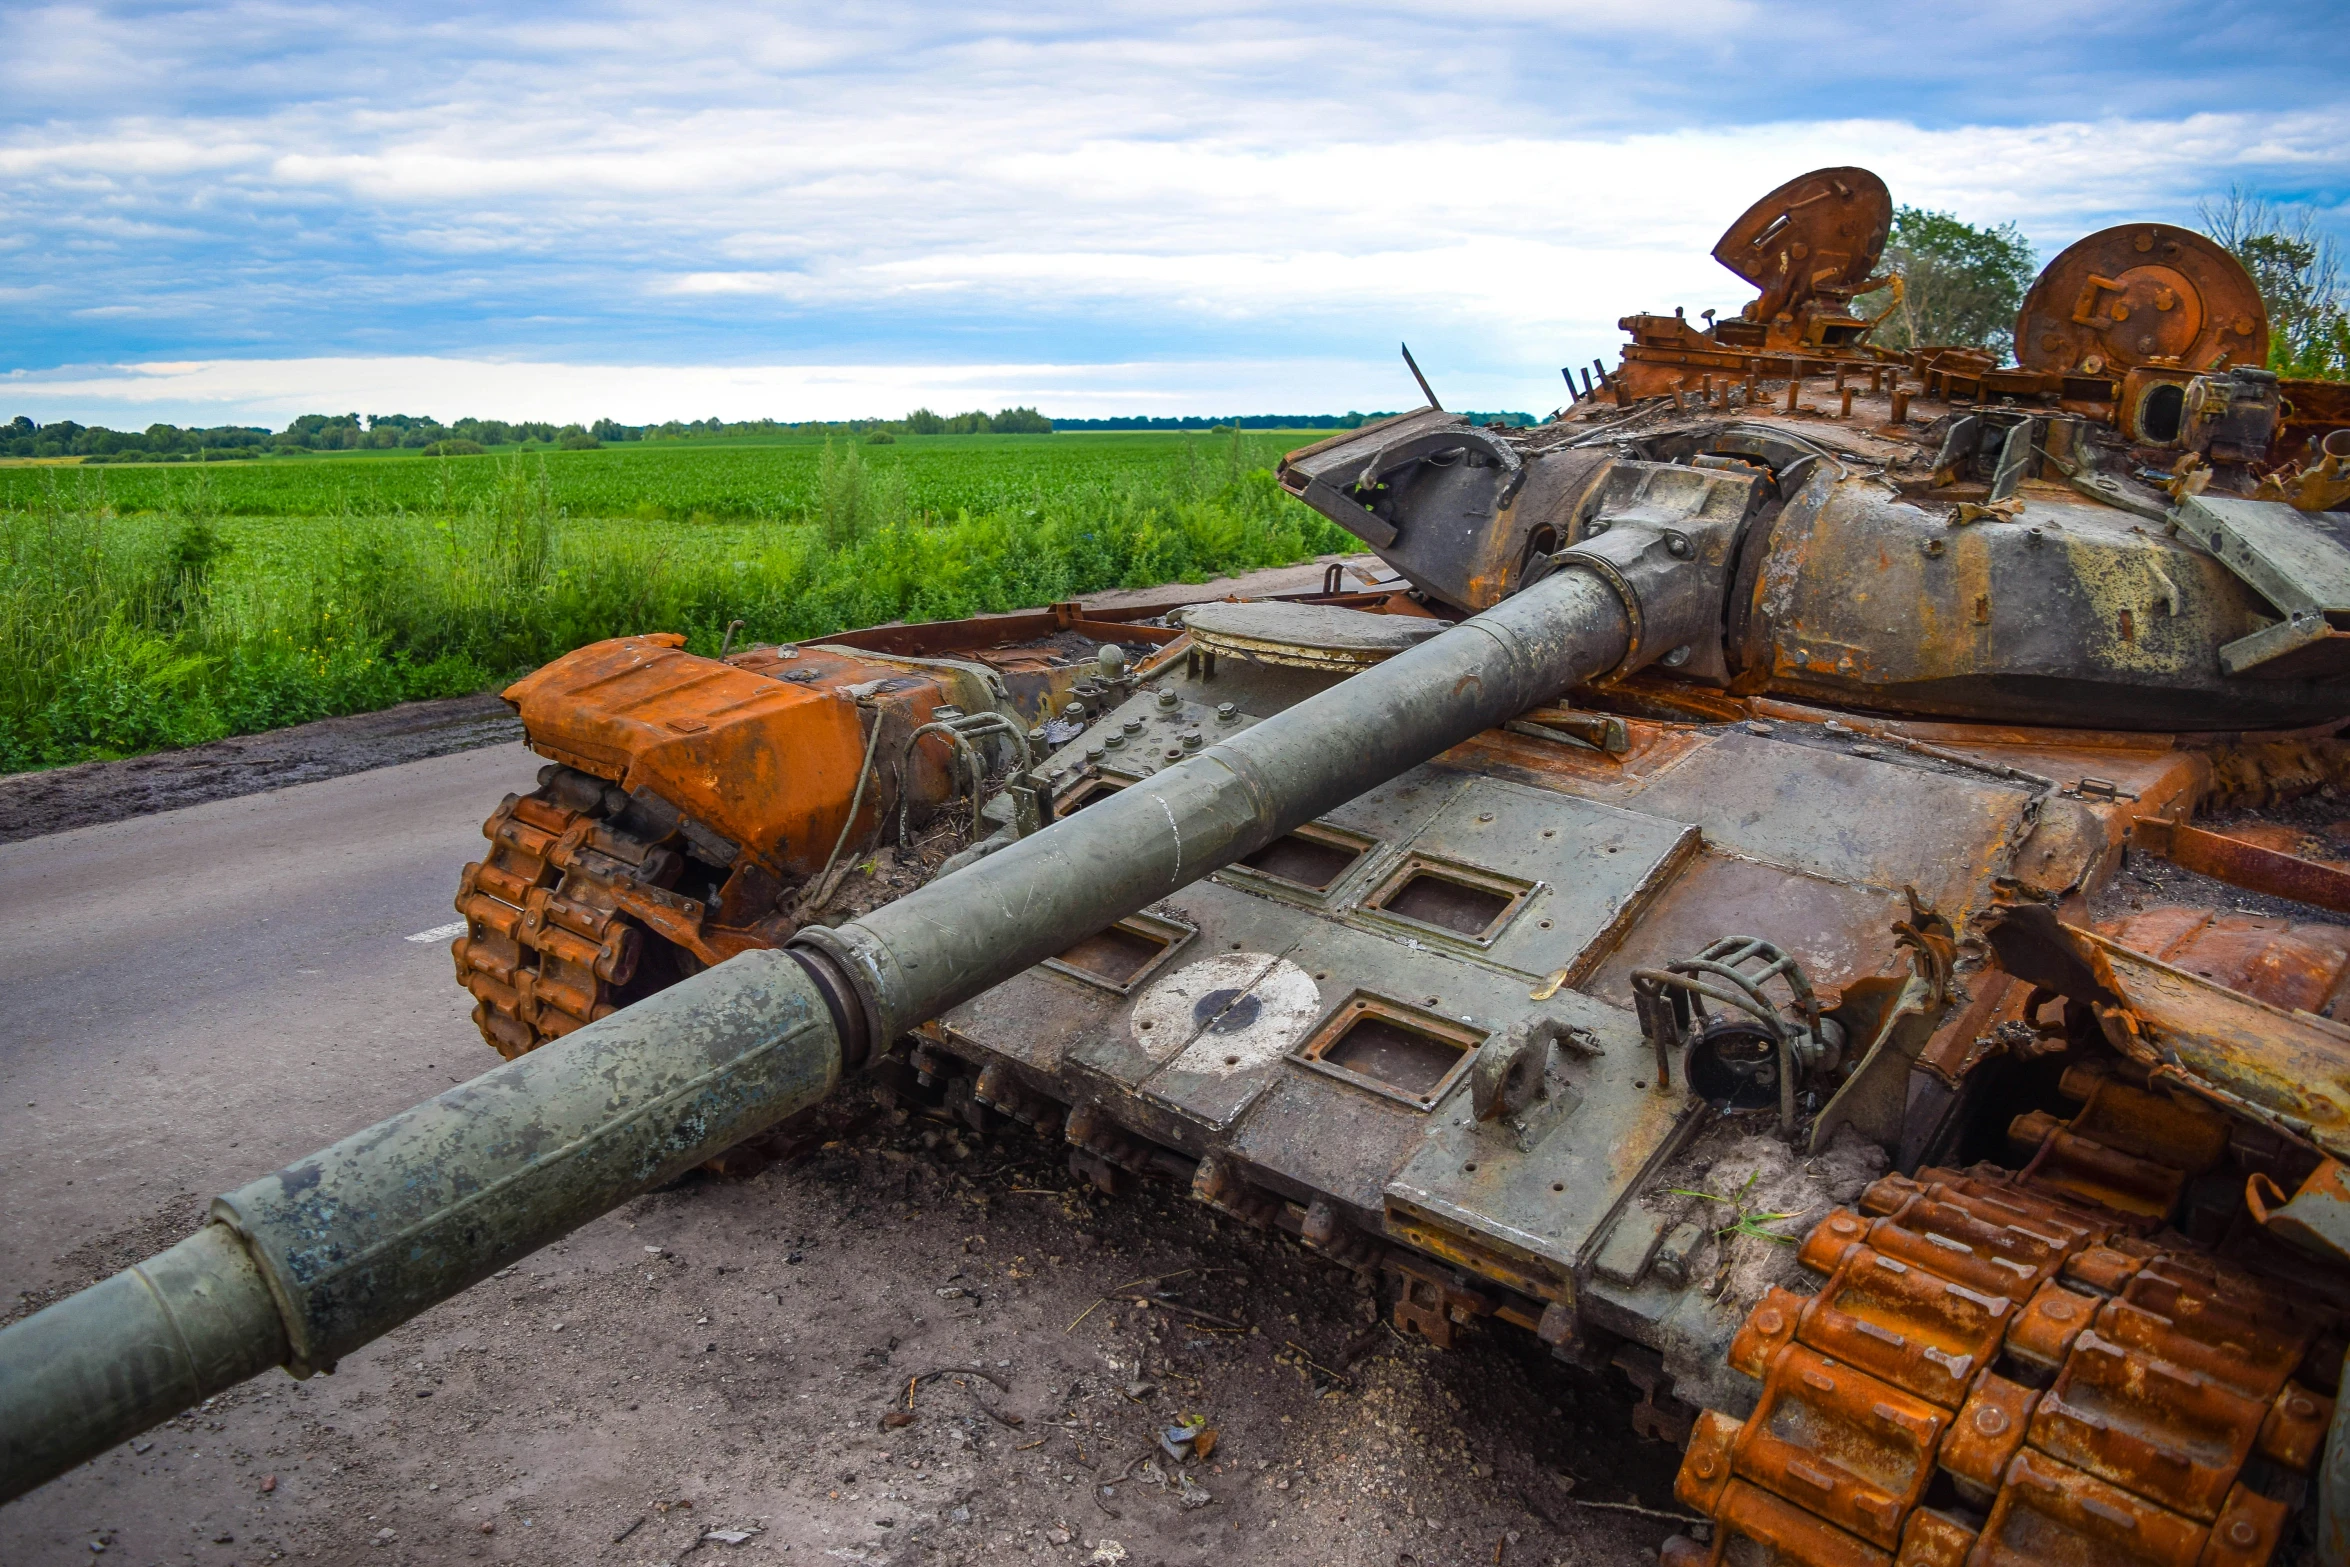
{"x": 34, "y": 805}
{"x": 787, "y": 1368}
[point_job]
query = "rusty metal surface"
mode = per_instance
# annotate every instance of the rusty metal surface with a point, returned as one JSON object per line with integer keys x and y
{"x": 2316, "y": 1217}
{"x": 1809, "y": 246}
{"x": 2147, "y": 1424}
{"x": 1855, "y": 1450}
{"x": 559, "y": 917}
{"x": 2247, "y": 865}
{"x": 985, "y": 634}
{"x": 1988, "y": 1430}
{"x": 1752, "y": 1524}
{"x": 2049, "y": 1512}
{"x": 2142, "y": 294}
{"x": 2313, "y": 411}
{"x": 641, "y": 713}
{"x": 1997, "y": 1259}
{"x": 2300, "y": 966}
{"x": 2001, "y": 617}
{"x": 2121, "y": 1426}
{"x": 2290, "y": 1069}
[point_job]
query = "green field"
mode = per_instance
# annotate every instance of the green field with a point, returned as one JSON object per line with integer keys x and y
{"x": 154, "y": 606}
{"x": 678, "y": 481}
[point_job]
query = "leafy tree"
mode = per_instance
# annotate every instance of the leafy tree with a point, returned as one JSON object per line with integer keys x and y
{"x": 1021, "y": 421}
{"x": 1962, "y": 284}
{"x": 2297, "y": 267}
{"x": 325, "y": 432}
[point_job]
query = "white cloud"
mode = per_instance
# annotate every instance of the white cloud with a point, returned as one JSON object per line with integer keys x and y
{"x": 204, "y": 392}
{"x": 1034, "y": 188}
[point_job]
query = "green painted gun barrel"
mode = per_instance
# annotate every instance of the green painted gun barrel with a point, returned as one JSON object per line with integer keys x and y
{"x": 307, "y": 1264}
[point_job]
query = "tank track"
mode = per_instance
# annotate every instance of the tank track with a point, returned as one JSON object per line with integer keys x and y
{"x": 1426, "y": 1297}
{"x": 2010, "y": 1366}
{"x": 570, "y": 916}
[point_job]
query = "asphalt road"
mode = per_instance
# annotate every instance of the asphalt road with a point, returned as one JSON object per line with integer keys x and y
{"x": 195, "y": 997}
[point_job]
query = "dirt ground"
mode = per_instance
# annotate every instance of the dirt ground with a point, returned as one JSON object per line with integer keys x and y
{"x": 33, "y": 805}
{"x": 723, "y": 1370}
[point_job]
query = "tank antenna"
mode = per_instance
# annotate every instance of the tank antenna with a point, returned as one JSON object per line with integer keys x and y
{"x": 1423, "y": 380}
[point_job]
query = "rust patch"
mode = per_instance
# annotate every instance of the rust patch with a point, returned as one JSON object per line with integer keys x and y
{"x": 2241, "y": 863}
{"x": 2163, "y": 1379}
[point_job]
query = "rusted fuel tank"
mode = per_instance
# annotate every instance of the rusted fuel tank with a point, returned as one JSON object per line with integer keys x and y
{"x": 1902, "y": 775}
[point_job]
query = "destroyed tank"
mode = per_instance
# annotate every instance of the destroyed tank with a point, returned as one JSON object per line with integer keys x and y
{"x": 1784, "y": 764}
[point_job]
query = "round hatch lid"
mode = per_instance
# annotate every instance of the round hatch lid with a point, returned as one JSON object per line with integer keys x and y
{"x": 1305, "y": 636}
{"x": 2142, "y": 294}
{"x": 1819, "y": 233}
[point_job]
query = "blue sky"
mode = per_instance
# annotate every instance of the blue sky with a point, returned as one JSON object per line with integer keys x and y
{"x": 247, "y": 211}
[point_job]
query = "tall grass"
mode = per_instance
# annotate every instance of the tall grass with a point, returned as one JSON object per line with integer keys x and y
{"x": 127, "y": 633}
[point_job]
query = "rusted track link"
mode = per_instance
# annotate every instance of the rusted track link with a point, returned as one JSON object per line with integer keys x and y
{"x": 2024, "y": 1366}
{"x": 550, "y": 944}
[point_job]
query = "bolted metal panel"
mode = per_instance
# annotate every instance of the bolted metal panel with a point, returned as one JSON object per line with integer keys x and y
{"x": 946, "y": 942}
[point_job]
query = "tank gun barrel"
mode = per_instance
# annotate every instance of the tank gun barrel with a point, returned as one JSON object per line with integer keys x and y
{"x": 945, "y": 942}
{"x": 309, "y": 1263}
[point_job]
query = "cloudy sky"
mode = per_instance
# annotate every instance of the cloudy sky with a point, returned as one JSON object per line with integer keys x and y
{"x": 251, "y": 210}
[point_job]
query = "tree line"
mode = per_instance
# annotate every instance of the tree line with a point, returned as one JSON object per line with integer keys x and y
{"x": 23, "y": 437}
{"x": 1963, "y": 284}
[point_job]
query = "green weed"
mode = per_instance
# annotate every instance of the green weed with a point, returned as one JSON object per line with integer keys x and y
{"x": 126, "y": 627}
{"x": 1744, "y": 1220}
